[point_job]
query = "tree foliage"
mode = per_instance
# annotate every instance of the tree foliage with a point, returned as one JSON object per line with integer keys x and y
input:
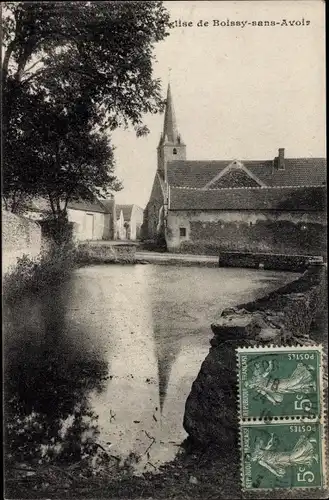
{"x": 71, "y": 72}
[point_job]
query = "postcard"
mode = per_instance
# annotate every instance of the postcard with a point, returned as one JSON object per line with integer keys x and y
{"x": 164, "y": 249}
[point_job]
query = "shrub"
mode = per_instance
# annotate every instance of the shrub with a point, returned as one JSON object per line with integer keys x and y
{"x": 59, "y": 229}
{"x": 32, "y": 275}
{"x": 153, "y": 245}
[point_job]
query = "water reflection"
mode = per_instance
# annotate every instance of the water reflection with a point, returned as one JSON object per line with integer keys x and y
{"x": 106, "y": 361}
{"x": 129, "y": 409}
{"x": 48, "y": 378}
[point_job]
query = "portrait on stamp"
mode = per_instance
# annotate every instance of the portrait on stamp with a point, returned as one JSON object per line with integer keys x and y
{"x": 280, "y": 382}
{"x": 282, "y": 455}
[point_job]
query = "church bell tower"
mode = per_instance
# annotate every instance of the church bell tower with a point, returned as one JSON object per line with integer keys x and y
{"x": 171, "y": 146}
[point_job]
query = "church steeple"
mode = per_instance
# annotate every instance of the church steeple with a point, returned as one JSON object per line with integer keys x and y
{"x": 171, "y": 146}
{"x": 169, "y": 125}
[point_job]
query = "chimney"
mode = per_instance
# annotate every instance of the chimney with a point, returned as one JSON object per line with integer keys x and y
{"x": 281, "y": 159}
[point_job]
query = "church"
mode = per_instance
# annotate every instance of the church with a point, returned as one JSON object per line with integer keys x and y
{"x": 275, "y": 205}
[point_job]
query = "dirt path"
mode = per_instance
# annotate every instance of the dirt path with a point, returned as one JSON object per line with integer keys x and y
{"x": 175, "y": 257}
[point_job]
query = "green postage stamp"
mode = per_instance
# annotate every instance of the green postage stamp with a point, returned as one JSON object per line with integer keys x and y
{"x": 281, "y": 417}
{"x": 280, "y": 382}
{"x": 282, "y": 455}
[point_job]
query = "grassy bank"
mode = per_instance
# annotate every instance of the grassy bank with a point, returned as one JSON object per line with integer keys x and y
{"x": 195, "y": 474}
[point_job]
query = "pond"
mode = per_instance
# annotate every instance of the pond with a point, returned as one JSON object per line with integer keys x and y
{"x": 104, "y": 363}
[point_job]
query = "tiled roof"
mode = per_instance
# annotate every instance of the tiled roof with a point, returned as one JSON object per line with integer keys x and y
{"x": 194, "y": 174}
{"x": 87, "y": 206}
{"x": 126, "y": 211}
{"x": 108, "y": 205}
{"x": 297, "y": 172}
{"x": 277, "y": 198}
{"x": 43, "y": 205}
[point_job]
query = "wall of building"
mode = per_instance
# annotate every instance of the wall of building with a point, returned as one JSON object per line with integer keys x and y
{"x": 108, "y": 227}
{"x": 170, "y": 152}
{"x": 153, "y": 209}
{"x": 19, "y": 236}
{"x": 79, "y": 218}
{"x": 270, "y": 231}
{"x": 121, "y": 230}
{"x": 135, "y": 223}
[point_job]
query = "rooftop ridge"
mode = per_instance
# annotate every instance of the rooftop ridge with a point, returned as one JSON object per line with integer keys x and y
{"x": 248, "y": 188}
{"x": 245, "y": 159}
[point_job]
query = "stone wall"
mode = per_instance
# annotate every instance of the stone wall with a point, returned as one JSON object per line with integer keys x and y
{"x": 104, "y": 253}
{"x": 274, "y": 261}
{"x": 19, "y": 236}
{"x": 284, "y": 317}
{"x": 248, "y": 231}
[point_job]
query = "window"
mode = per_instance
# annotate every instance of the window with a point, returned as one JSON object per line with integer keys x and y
{"x": 182, "y": 232}
{"x": 174, "y": 151}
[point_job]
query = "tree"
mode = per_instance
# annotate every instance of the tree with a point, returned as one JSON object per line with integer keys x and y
{"x": 72, "y": 71}
{"x": 102, "y": 48}
{"x": 65, "y": 157}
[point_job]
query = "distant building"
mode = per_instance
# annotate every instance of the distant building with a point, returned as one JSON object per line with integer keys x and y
{"x": 276, "y": 205}
{"x": 101, "y": 219}
{"x": 129, "y": 221}
{"x": 91, "y": 220}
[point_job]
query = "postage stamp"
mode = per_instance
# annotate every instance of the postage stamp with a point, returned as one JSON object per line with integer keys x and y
{"x": 282, "y": 455}
{"x": 280, "y": 382}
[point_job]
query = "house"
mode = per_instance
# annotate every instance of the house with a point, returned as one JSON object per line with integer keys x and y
{"x": 91, "y": 220}
{"x": 129, "y": 221}
{"x": 274, "y": 205}
{"x": 121, "y": 232}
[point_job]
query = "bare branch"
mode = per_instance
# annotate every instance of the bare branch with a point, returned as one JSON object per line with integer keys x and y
{"x": 34, "y": 64}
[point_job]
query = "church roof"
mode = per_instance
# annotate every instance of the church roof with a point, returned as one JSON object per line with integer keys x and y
{"x": 297, "y": 172}
{"x": 303, "y": 198}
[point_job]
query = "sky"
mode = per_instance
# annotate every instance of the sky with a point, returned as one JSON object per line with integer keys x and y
{"x": 239, "y": 92}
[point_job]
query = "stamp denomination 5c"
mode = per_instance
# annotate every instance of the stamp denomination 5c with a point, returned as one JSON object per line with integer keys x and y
{"x": 282, "y": 455}
{"x": 280, "y": 382}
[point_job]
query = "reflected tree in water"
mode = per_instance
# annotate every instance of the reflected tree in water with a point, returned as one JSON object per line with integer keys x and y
{"x": 48, "y": 379}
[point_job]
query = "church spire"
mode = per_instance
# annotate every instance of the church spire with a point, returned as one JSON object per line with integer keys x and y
{"x": 171, "y": 147}
{"x": 169, "y": 126}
